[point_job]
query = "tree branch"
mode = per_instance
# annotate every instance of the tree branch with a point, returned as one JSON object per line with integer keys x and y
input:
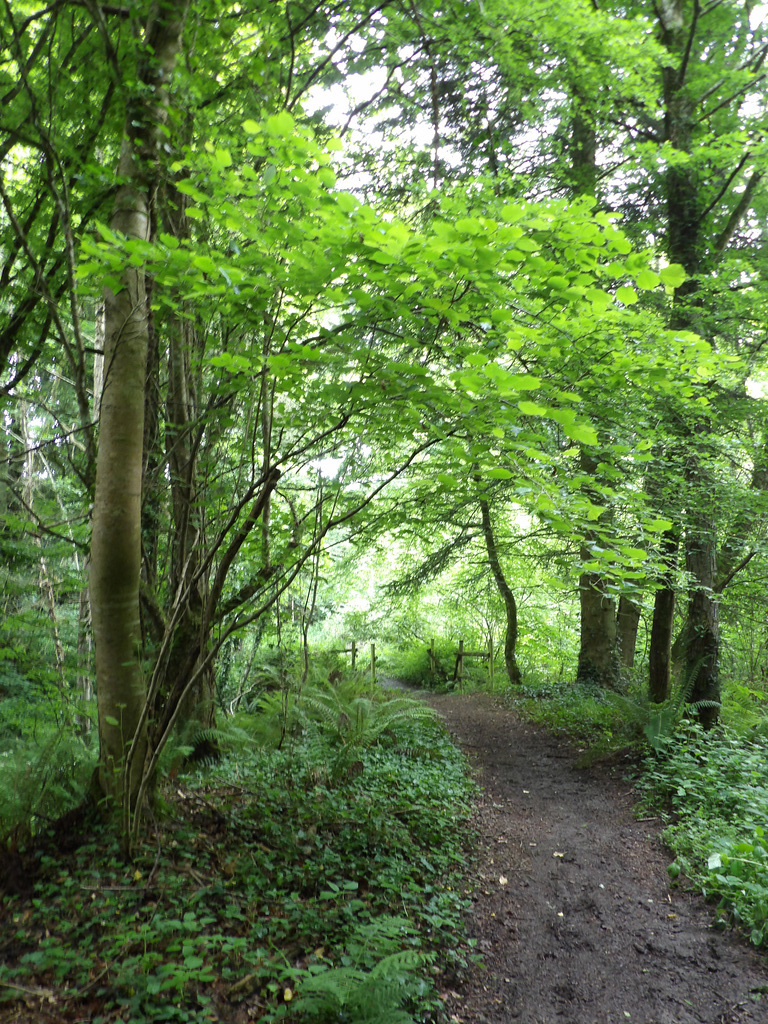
{"x": 737, "y": 214}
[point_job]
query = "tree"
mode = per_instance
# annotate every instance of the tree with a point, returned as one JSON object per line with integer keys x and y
{"x": 507, "y": 595}
{"x": 116, "y": 542}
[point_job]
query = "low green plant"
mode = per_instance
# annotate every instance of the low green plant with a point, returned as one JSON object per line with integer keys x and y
{"x": 580, "y": 711}
{"x": 657, "y": 722}
{"x": 346, "y": 716}
{"x": 270, "y": 874}
{"x": 41, "y": 778}
{"x": 714, "y": 789}
{"x": 372, "y": 984}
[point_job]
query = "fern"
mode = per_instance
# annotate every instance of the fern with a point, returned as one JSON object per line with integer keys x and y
{"x": 39, "y": 781}
{"x": 658, "y": 722}
{"x": 350, "y": 716}
{"x": 375, "y": 988}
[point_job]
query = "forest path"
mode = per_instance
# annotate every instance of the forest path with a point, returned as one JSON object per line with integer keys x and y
{"x": 574, "y": 915}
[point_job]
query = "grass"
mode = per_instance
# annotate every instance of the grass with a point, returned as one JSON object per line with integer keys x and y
{"x": 285, "y": 884}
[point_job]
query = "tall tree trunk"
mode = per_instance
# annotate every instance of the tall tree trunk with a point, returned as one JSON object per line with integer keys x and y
{"x": 687, "y": 245}
{"x": 116, "y": 541}
{"x": 598, "y": 662}
{"x": 597, "y": 647}
{"x": 701, "y": 669}
{"x": 662, "y": 627}
{"x": 505, "y": 591}
{"x": 598, "y": 656}
{"x": 182, "y": 448}
{"x": 627, "y": 622}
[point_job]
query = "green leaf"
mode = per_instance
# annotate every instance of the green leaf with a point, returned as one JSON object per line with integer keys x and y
{"x": 626, "y": 295}
{"x": 637, "y": 553}
{"x": 469, "y": 226}
{"x": 532, "y": 409}
{"x": 581, "y": 432}
{"x": 673, "y": 276}
{"x": 281, "y": 124}
{"x": 647, "y": 279}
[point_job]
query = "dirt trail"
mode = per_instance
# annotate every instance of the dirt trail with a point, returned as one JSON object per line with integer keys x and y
{"x": 575, "y": 917}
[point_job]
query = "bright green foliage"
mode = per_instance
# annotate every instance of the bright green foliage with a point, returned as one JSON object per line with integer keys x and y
{"x": 577, "y": 710}
{"x": 347, "y": 716}
{"x": 365, "y": 996}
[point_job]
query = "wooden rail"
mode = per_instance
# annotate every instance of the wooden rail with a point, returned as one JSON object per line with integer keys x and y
{"x": 353, "y": 650}
{"x": 461, "y": 654}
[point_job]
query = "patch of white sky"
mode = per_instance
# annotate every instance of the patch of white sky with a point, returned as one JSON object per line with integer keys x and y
{"x": 347, "y": 103}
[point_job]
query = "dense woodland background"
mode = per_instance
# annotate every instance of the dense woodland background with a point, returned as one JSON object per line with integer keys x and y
{"x": 401, "y": 322}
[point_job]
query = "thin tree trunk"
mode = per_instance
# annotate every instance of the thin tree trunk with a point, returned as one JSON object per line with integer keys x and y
{"x": 510, "y": 604}
{"x": 84, "y": 683}
{"x": 43, "y": 578}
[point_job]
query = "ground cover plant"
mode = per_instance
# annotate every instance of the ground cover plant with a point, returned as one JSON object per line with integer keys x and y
{"x": 713, "y": 788}
{"x": 318, "y": 877}
{"x": 582, "y": 712}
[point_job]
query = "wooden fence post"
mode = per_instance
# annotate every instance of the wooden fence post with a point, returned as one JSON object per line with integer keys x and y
{"x": 432, "y": 657}
{"x": 354, "y": 653}
{"x": 458, "y": 675}
{"x": 490, "y": 662}
{"x": 373, "y": 662}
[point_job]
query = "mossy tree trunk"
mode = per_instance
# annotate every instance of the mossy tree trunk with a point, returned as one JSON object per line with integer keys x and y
{"x": 115, "y": 566}
{"x": 627, "y": 623}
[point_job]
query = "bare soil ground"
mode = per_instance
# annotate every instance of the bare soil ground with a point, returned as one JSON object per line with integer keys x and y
{"x": 575, "y": 917}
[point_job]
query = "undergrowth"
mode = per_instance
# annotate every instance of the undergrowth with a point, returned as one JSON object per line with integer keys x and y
{"x": 713, "y": 787}
{"x": 414, "y": 667}
{"x": 316, "y": 876}
{"x": 584, "y": 713}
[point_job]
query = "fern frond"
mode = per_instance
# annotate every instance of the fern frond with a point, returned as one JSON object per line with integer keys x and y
{"x": 40, "y": 781}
